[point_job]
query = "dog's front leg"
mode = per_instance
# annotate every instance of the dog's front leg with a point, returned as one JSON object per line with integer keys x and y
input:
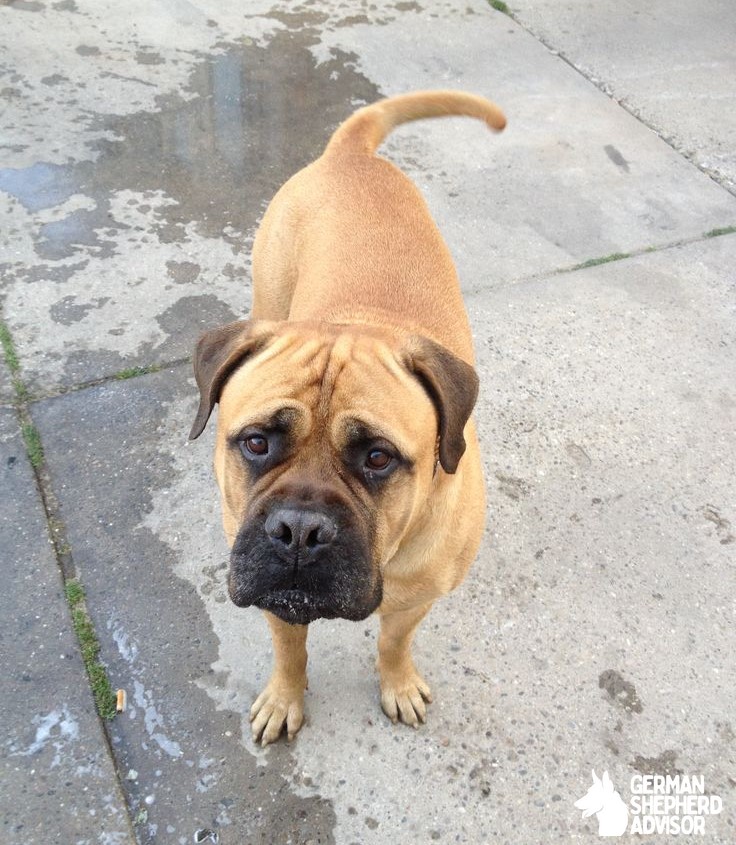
{"x": 403, "y": 690}
{"x": 281, "y": 704}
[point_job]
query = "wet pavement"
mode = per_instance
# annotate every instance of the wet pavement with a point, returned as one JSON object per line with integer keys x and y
{"x": 140, "y": 145}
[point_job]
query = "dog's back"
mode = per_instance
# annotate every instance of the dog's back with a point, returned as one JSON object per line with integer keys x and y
{"x": 354, "y": 217}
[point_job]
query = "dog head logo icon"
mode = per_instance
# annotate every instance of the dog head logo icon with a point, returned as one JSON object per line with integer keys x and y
{"x": 603, "y": 800}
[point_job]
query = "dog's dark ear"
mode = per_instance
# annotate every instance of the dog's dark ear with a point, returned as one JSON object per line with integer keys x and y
{"x": 453, "y": 387}
{"x": 217, "y": 354}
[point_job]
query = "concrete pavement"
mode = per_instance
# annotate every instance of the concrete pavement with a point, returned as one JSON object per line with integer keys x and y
{"x": 140, "y": 145}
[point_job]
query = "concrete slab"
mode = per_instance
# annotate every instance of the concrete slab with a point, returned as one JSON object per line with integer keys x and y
{"x": 59, "y": 784}
{"x": 669, "y": 63}
{"x": 593, "y": 632}
{"x": 130, "y": 230}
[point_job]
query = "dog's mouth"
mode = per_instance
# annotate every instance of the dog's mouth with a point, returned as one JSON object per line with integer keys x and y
{"x": 294, "y": 606}
{"x": 302, "y": 575}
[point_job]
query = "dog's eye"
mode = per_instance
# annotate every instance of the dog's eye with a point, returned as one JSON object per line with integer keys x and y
{"x": 254, "y": 445}
{"x": 377, "y": 459}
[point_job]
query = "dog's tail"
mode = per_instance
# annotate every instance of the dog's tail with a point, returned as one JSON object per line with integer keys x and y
{"x": 363, "y": 132}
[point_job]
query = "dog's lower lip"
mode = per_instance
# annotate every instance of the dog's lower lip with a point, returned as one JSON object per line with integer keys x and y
{"x": 294, "y": 606}
{"x": 291, "y": 594}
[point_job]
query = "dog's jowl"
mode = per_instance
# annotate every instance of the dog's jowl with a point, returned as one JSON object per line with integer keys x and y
{"x": 346, "y": 455}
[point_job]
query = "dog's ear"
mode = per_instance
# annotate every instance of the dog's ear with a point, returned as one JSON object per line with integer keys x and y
{"x": 452, "y": 386}
{"x": 217, "y": 354}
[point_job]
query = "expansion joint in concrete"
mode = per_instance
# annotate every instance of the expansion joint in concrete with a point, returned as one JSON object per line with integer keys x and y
{"x": 502, "y": 7}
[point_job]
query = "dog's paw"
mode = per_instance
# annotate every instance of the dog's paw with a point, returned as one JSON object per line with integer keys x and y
{"x": 404, "y": 698}
{"x": 277, "y": 707}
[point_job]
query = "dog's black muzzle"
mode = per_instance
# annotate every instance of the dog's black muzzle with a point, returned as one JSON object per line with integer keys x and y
{"x": 302, "y": 562}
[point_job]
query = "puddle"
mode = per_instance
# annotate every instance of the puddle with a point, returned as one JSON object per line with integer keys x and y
{"x": 123, "y": 258}
{"x": 249, "y": 117}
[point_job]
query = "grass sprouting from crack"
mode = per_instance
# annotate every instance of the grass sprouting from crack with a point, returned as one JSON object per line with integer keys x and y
{"x": 716, "y": 233}
{"x": 12, "y": 362}
{"x": 11, "y": 356}
{"x": 594, "y": 262}
{"x": 103, "y": 693}
{"x": 32, "y": 439}
{"x": 499, "y": 6}
{"x": 132, "y": 372}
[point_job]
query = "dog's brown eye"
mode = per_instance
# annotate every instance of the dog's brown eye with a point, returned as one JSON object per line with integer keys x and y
{"x": 256, "y": 445}
{"x": 377, "y": 459}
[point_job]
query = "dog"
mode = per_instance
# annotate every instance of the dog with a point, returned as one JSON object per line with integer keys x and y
{"x": 346, "y": 456}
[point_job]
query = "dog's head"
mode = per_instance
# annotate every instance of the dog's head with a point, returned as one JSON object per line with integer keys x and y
{"x": 328, "y": 440}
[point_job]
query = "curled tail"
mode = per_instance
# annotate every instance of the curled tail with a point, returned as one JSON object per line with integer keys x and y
{"x": 364, "y": 131}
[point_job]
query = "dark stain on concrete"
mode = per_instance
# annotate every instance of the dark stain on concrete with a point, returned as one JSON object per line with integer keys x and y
{"x": 196, "y": 313}
{"x": 620, "y": 692}
{"x": 578, "y": 454}
{"x": 65, "y": 6}
{"x": 105, "y": 458}
{"x": 512, "y": 487}
{"x": 65, "y": 238}
{"x": 723, "y": 525}
{"x": 616, "y": 157}
{"x": 148, "y": 57}
{"x": 183, "y": 272}
{"x": 352, "y": 20}
{"x": 199, "y": 312}
{"x": 67, "y": 310}
{"x": 662, "y": 765}
{"x": 25, "y": 5}
{"x": 54, "y": 79}
{"x": 88, "y": 50}
{"x": 38, "y": 273}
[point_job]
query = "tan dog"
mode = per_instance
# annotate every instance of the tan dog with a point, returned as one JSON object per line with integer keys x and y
{"x": 346, "y": 457}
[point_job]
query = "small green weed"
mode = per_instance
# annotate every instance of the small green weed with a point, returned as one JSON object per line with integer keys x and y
{"x": 716, "y": 233}
{"x": 103, "y": 693}
{"x": 32, "y": 440}
{"x": 594, "y": 262}
{"x": 74, "y": 592}
{"x": 11, "y": 356}
{"x": 13, "y": 364}
{"x": 132, "y": 372}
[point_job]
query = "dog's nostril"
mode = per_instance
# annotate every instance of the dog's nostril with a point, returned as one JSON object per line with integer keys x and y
{"x": 278, "y": 529}
{"x": 313, "y": 538}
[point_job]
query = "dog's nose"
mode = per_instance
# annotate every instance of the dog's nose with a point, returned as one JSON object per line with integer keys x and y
{"x": 298, "y": 535}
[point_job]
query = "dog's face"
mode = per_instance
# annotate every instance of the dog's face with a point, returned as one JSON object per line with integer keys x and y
{"x": 327, "y": 447}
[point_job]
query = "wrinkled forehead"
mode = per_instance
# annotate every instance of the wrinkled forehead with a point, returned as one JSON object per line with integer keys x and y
{"x": 329, "y": 382}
